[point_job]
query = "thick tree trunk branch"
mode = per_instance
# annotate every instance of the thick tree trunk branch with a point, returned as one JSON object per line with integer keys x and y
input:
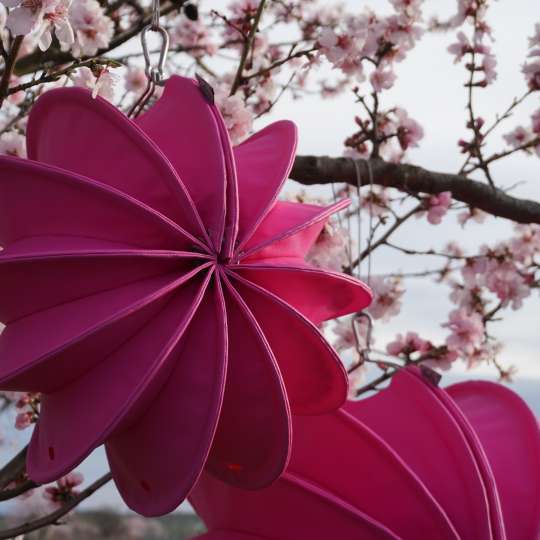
{"x": 310, "y": 170}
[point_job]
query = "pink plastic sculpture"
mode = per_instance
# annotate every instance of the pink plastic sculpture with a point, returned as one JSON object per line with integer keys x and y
{"x": 412, "y": 462}
{"x": 155, "y": 292}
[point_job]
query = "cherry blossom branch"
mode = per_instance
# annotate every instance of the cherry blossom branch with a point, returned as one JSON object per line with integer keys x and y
{"x": 37, "y": 59}
{"x": 11, "y": 60}
{"x": 53, "y": 517}
{"x": 248, "y": 44}
{"x": 310, "y": 170}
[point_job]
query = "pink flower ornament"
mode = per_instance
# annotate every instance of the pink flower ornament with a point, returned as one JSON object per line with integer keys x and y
{"x": 155, "y": 292}
{"x": 412, "y": 462}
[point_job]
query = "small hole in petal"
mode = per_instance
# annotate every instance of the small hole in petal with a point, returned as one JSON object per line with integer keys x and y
{"x": 145, "y": 485}
{"x": 51, "y": 453}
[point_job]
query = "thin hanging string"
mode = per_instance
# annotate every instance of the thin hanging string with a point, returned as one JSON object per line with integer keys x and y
{"x": 370, "y": 237}
{"x": 363, "y": 351}
{"x": 154, "y": 73}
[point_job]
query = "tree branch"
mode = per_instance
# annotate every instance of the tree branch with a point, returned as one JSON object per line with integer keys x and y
{"x": 310, "y": 170}
{"x": 53, "y": 517}
{"x": 13, "y": 468}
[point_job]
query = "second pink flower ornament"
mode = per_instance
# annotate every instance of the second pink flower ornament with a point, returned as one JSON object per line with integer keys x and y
{"x": 155, "y": 292}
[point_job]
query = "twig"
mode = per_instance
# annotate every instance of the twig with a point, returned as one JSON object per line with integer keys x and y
{"x": 53, "y": 517}
{"x": 23, "y": 487}
{"x": 13, "y": 469}
{"x": 11, "y": 60}
{"x": 248, "y": 43}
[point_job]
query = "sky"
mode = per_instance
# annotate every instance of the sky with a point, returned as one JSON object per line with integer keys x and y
{"x": 430, "y": 88}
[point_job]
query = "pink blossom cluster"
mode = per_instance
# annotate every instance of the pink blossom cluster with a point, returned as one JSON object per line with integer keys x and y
{"x": 387, "y": 293}
{"x": 79, "y": 25}
{"x": 42, "y": 18}
{"x": 525, "y": 138}
{"x": 412, "y": 348}
{"x": 330, "y": 251}
{"x": 93, "y": 29}
{"x": 436, "y": 207}
{"x": 477, "y": 53}
{"x": 27, "y": 406}
{"x": 369, "y": 39}
{"x": 466, "y": 330}
{"x": 192, "y": 36}
{"x": 531, "y": 68}
{"x": 101, "y": 81}
{"x": 13, "y": 143}
{"x": 395, "y": 132}
{"x": 237, "y": 116}
{"x": 64, "y": 490}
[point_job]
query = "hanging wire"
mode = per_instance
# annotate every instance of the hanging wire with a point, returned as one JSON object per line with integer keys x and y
{"x": 363, "y": 351}
{"x": 154, "y": 73}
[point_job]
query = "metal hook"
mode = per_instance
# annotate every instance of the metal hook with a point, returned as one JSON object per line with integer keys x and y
{"x": 155, "y": 73}
{"x": 362, "y": 351}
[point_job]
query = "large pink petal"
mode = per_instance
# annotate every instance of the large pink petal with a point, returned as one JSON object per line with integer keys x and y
{"x": 40, "y": 200}
{"x": 70, "y": 129}
{"x": 293, "y": 508}
{"x": 187, "y": 130}
{"x": 289, "y": 230}
{"x": 429, "y": 440}
{"x": 510, "y": 437}
{"x": 475, "y": 446}
{"x": 80, "y": 416}
{"x": 357, "y": 465}
{"x": 318, "y": 294}
{"x": 157, "y": 459}
{"x": 252, "y": 443}
{"x": 47, "y": 350}
{"x": 263, "y": 163}
{"x": 47, "y": 271}
{"x": 315, "y": 379}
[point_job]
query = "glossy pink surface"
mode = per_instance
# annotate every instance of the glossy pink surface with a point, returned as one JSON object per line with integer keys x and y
{"x": 412, "y": 462}
{"x": 156, "y": 294}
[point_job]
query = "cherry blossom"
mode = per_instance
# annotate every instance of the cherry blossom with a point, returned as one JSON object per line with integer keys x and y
{"x": 517, "y": 137}
{"x": 531, "y": 71}
{"x": 443, "y": 358}
{"x": 382, "y": 79}
{"x": 387, "y": 295}
{"x": 534, "y": 40}
{"x": 13, "y": 144}
{"x": 345, "y": 335}
{"x": 407, "y": 344}
{"x": 238, "y": 118}
{"x": 93, "y": 29}
{"x": 505, "y": 281}
{"x": 437, "y": 207}
{"x": 535, "y": 120}
{"x": 330, "y": 250}
{"x": 56, "y": 19}
{"x": 101, "y": 84}
{"x": 192, "y": 35}
{"x": 135, "y": 80}
{"x": 64, "y": 490}
{"x": 467, "y": 330}
{"x": 461, "y": 47}
{"x": 409, "y": 131}
{"x": 526, "y": 244}
{"x": 471, "y": 214}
